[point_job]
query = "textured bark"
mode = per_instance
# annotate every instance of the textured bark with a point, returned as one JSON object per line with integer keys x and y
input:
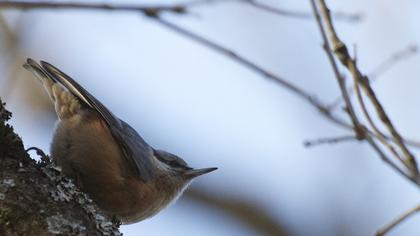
{"x": 36, "y": 199}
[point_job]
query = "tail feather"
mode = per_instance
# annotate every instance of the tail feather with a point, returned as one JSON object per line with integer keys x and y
{"x": 66, "y": 105}
{"x": 42, "y": 76}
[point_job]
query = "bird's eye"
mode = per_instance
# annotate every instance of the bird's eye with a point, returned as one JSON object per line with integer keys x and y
{"x": 175, "y": 163}
{"x": 171, "y": 160}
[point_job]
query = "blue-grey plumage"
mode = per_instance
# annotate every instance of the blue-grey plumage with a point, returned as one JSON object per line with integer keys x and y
{"x": 108, "y": 159}
{"x": 135, "y": 149}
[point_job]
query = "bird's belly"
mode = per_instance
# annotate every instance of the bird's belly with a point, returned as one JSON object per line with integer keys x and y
{"x": 87, "y": 152}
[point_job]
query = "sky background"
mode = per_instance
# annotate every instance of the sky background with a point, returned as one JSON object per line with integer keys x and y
{"x": 201, "y": 105}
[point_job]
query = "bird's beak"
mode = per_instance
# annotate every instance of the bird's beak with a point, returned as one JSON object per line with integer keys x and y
{"x": 197, "y": 172}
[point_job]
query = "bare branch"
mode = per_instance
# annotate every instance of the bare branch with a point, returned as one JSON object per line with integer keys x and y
{"x": 281, "y": 12}
{"x": 147, "y": 10}
{"x": 380, "y": 136}
{"x": 384, "y": 230}
{"x": 384, "y": 157}
{"x": 330, "y": 140}
{"x": 301, "y": 14}
{"x": 245, "y": 62}
{"x": 384, "y": 66}
{"x": 396, "y": 57}
{"x": 342, "y": 54}
{"x": 254, "y": 67}
{"x": 180, "y": 8}
{"x": 340, "y": 79}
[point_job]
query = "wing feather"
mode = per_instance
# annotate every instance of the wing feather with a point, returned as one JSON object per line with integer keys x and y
{"x": 135, "y": 150}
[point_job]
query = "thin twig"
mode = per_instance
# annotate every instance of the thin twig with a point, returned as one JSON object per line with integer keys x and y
{"x": 301, "y": 14}
{"x": 278, "y": 11}
{"x": 380, "y": 136}
{"x": 179, "y": 8}
{"x": 388, "y": 63}
{"x": 254, "y": 67}
{"x": 385, "y": 158}
{"x": 329, "y": 140}
{"x": 343, "y": 55}
{"x": 245, "y": 62}
{"x": 384, "y": 66}
{"x": 148, "y": 10}
{"x": 360, "y": 130}
{"x": 384, "y": 230}
{"x": 340, "y": 79}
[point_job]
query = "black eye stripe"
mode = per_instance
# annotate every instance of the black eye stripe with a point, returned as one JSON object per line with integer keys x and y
{"x": 171, "y": 161}
{"x": 174, "y": 163}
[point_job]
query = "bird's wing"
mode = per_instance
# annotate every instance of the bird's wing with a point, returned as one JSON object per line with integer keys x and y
{"x": 136, "y": 151}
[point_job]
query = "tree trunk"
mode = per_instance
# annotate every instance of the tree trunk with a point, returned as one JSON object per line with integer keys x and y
{"x": 36, "y": 199}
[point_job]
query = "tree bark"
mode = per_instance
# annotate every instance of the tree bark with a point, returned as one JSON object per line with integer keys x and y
{"x": 36, "y": 199}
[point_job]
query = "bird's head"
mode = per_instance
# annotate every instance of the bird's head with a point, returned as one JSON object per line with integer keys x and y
{"x": 177, "y": 170}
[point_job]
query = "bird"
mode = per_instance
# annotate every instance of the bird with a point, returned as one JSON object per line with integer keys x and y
{"x": 107, "y": 159}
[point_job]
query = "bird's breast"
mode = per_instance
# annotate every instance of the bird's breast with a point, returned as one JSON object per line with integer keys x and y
{"x": 85, "y": 149}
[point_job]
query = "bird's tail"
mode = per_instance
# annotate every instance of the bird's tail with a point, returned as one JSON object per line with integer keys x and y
{"x": 42, "y": 76}
{"x": 66, "y": 105}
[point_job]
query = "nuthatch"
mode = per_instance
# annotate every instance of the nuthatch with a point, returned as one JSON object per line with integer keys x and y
{"x": 106, "y": 157}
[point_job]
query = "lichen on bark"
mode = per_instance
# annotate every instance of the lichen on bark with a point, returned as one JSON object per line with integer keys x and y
{"x": 36, "y": 199}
